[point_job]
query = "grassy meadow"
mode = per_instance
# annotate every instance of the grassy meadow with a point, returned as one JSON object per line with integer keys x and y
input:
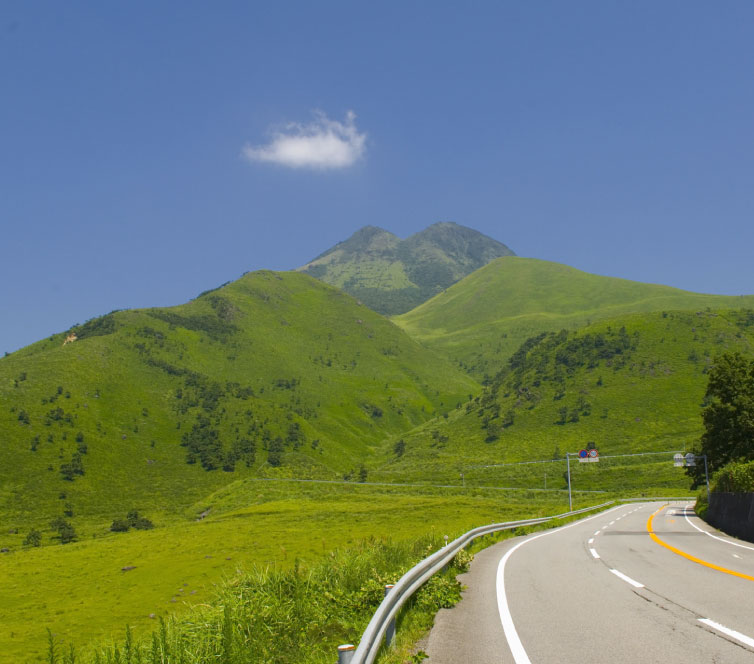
{"x": 81, "y": 592}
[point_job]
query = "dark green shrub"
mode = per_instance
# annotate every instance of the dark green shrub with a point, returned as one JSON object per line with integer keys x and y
{"x": 119, "y": 526}
{"x": 34, "y": 538}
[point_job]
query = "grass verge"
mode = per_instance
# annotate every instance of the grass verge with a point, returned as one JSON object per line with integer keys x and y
{"x": 81, "y": 592}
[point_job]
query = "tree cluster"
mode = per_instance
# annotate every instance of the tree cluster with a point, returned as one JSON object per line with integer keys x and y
{"x": 212, "y": 325}
{"x": 203, "y": 444}
{"x": 65, "y": 530}
{"x": 34, "y": 538}
{"x": 729, "y": 416}
{"x": 74, "y": 467}
{"x": 133, "y": 520}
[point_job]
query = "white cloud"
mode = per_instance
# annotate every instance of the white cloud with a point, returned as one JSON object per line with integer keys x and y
{"x": 323, "y": 144}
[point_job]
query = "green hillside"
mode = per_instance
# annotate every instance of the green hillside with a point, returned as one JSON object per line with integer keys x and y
{"x": 391, "y": 275}
{"x": 276, "y": 374}
{"x": 480, "y": 321}
{"x": 210, "y": 418}
{"x": 630, "y": 384}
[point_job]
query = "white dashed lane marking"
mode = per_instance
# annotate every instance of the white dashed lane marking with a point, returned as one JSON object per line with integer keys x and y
{"x": 733, "y": 634}
{"x": 511, "y": 635}
{"x": 627, "y": 579}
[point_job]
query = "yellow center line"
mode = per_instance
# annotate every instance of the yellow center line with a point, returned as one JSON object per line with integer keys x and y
{"x": 690, "y": 557}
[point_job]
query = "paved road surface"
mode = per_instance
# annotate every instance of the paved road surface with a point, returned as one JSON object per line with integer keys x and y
{"x": 605, "y": 590}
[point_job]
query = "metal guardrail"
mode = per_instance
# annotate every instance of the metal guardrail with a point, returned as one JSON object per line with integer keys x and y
{"x": 411, "y": 581}
{"x": 654, "y": 500}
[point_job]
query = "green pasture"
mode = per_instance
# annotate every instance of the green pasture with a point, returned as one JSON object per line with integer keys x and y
{"x": 81, "y": 592}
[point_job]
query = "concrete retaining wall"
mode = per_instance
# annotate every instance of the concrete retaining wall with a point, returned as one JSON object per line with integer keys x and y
{"x": 733, "y": 513}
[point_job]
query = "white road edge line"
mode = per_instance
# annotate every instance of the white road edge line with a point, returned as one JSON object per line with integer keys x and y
{"x": 511, "y": 635}
{"x": 747, "y": 640}
{"x": 627, "y": 579}
{"x": 743, "y": 546}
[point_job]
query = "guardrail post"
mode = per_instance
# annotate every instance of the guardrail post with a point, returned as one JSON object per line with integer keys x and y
{"x": 390, "y": 631}
{"x": 345, "y": 653}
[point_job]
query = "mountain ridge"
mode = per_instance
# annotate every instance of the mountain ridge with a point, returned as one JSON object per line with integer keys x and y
{"x": 482, "y": 320}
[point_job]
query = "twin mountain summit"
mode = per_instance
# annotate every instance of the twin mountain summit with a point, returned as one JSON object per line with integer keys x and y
{"x": 383, "y": 359}
{"x": 392, "y": 276}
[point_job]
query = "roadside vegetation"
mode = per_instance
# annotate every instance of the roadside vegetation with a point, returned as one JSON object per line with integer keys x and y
{"x": 728, "y": 418}
{"x": 728, "y": 438}
{"x": 735, "y": 477}
{"x": 290, "y": 616}
{"x": 87, "y": 591}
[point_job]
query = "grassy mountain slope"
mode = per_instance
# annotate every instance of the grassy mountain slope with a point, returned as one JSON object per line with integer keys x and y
{"x": 480, "y": 321}
{"x": 630, "y": 384}
{"x": 280, "y": 376}
{"x": 391, "y": 275}
{"x": 275, "y": 374}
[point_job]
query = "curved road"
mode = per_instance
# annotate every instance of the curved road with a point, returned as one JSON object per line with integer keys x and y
{"x": 637, "y": 583}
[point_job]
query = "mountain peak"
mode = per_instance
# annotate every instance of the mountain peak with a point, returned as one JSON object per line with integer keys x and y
{"x": 462, "y": 243}
{"x": 392, "y": 276}
{"x": 370, "y": 238}
{"x": 366, "y": 240}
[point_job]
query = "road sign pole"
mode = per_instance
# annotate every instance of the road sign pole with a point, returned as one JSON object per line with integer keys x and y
{"x": 689, "y": 461}
{"x": 568, "y": 465}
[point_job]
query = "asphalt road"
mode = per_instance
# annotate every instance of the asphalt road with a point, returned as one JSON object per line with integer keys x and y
{"x": 606, "y": 590}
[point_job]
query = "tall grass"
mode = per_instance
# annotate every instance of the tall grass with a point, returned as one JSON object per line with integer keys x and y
{"x": 298, "y": 615}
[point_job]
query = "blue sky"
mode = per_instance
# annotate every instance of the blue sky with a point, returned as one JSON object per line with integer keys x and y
{"x": 150, "y": 151}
